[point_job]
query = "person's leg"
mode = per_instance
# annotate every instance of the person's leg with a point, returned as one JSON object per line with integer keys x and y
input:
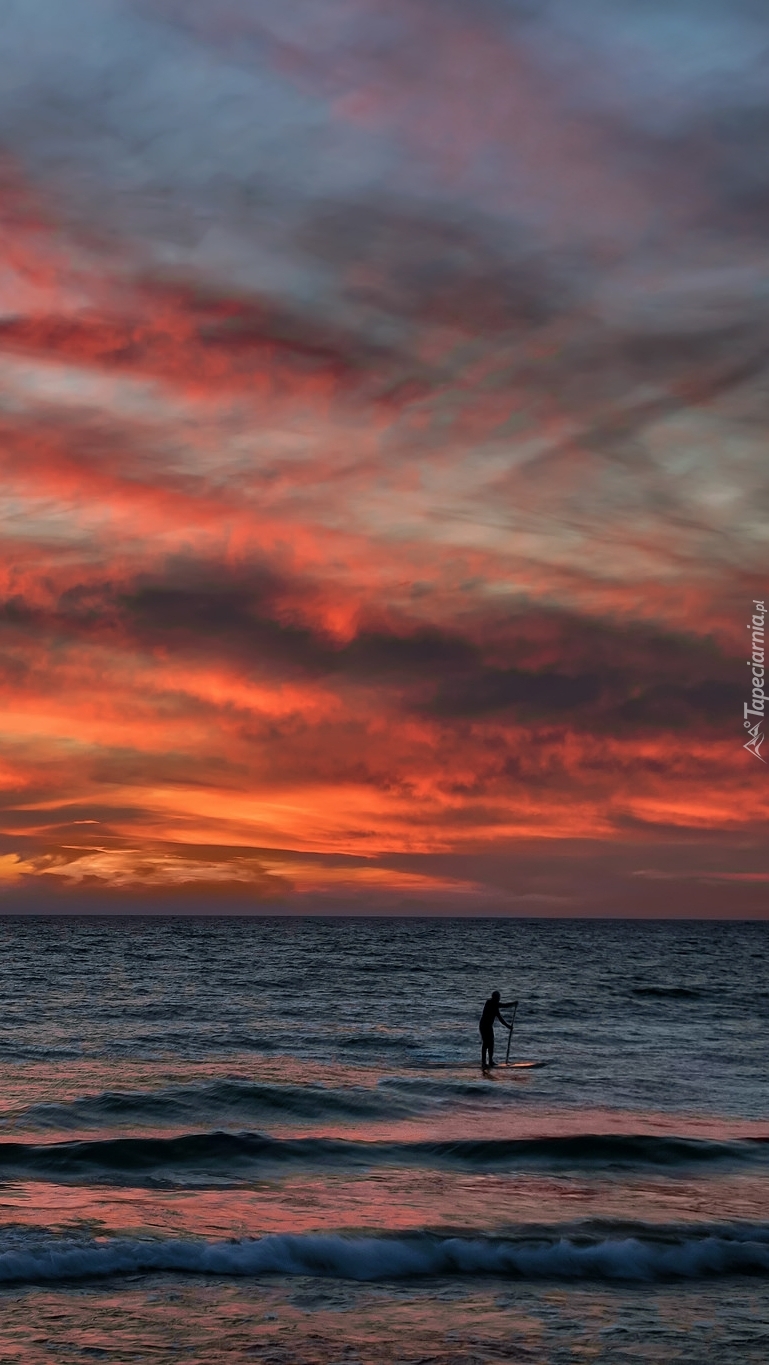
{"x": 491, "y": 1048}
{"x": 484, "y": 1050}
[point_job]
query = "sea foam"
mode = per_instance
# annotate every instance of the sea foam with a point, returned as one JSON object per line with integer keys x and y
{"x": 644, "y": 1257}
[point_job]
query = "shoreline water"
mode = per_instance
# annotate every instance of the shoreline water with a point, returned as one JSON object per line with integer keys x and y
{"x": 287, "y": 1134}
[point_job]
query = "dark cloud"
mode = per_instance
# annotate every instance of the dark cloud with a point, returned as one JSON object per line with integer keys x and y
{"x": 249, "y": 623}
{"x": 92, "y": 818}
{"x": 230, "y": 618}
{"x": 472, "y": 274}
{"x": 669, "y": 705}
{"x": 614, "y": 700}
{"x": 496, "y": 689}
{"x": 534, "y": 664}
{"x": 266, "y": 623}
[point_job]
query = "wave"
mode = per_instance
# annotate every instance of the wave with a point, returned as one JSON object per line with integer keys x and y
{"x": 668, "y": 992}
{"x": 237, "y": 1100}
{"x": 647, "y": 1254}
{"x": 233, "y": 1099}
{"x": 377, "y": 1042}
{"x": 194, "y": 1158}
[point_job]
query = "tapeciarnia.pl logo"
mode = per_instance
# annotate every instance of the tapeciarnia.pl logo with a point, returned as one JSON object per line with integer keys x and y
{"x": 756, "y": 706}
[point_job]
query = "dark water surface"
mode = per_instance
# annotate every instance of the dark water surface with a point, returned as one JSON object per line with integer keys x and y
{"x": 243, "y": 1139}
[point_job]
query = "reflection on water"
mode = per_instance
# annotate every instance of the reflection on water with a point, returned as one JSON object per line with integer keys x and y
{"x": 382, "y": 1200}
{"x": 307, "y": 1321}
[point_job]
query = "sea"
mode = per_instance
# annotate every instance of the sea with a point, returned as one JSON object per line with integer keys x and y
{"x": 269, "y": 1139}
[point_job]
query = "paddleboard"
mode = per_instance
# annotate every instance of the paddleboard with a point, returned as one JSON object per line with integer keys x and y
{"x": 498, "y": 1066}
{"x": 502, "y": 1067}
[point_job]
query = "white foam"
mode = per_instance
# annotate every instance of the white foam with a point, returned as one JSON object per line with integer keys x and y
{"x": 374, "y": 1258}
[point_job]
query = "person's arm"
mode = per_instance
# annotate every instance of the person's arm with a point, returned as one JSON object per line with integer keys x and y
{"x": 505, "y": 1004}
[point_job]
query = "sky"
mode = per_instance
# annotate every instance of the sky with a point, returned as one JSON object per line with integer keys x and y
{"x": 383, "y": 393}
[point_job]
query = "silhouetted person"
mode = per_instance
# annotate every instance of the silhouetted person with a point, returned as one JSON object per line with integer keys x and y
{"x": 490, "y": 1013}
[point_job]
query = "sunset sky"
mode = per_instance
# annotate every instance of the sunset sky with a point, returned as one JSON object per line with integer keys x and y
{"x": 383, "y": 391}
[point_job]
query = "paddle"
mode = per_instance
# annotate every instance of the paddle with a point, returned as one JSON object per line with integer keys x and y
{"x": 510, "y": 1034}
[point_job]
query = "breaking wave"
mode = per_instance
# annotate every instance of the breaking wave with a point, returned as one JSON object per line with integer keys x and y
{"x": 645, "y": 1255}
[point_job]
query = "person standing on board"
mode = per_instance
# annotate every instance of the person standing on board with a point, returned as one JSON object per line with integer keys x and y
{"x": 490, "y": 1013}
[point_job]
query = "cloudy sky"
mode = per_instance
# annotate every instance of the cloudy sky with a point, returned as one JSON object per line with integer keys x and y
{"x": 383, "y": 392}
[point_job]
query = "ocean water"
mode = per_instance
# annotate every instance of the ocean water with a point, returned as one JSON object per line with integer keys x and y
{"x": 269, "y": 1139}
